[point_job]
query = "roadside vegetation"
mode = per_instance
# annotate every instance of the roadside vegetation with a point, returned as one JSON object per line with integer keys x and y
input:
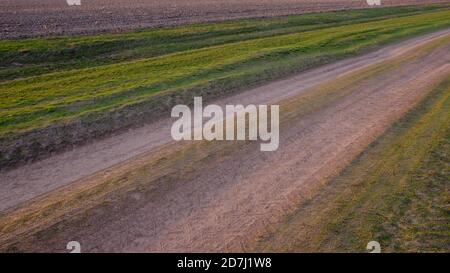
{"x": 73, "y": 89}
{"x": 168, "y": 167}
{"x": 29, "y": 57}
{"x": 396, "y": 192}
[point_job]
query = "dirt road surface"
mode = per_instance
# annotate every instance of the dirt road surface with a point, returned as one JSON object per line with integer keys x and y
{"x": 30, "y": 18}
{"x": 225, "y": 202}
{"x": 22, "y": 184}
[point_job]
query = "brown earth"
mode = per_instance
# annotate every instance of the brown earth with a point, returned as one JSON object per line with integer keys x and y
{"x": 218, "y": 196}
{"x": 30, "y": 18}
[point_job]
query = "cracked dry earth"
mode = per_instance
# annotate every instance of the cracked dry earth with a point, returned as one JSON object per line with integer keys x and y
{"x": 222, "y": 196}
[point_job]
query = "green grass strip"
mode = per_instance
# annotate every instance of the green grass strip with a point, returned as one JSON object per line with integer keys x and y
{"x": 36, "y": 102}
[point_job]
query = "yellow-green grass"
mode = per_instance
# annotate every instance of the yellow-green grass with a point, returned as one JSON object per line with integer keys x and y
{"x": 41, "y": 100}
{"x": 396, "y": 192}
{"x": 50, "y": 110}
{"x": 21, "y": 58}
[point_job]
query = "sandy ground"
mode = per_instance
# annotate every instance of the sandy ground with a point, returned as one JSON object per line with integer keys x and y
{"x": 29, "y": 18}
{"x": 225, "y": 202}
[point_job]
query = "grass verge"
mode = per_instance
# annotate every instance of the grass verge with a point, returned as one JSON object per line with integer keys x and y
{"x": 31, "y": 57}
{"x": 46, "y": 111}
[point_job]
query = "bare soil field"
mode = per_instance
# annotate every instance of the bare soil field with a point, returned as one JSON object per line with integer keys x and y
{"x": 222, "y": 197}
{"x": 28, "y": 18}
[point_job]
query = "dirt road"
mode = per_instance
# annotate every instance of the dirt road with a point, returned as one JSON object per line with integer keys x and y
{"x": 230, "y": 196}
{"x": 22, "y": 184}
{"x": 28, "y": 18}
